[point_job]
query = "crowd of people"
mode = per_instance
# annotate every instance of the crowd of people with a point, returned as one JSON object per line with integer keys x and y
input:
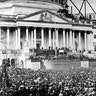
{"x": 66, "y": 54}
{"x": 68, "y": 82}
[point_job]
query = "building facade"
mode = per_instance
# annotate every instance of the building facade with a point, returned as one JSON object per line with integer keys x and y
{"x": 37, "y": 24}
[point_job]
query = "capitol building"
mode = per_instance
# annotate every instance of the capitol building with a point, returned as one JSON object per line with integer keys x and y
{"x": 37, "y": 24}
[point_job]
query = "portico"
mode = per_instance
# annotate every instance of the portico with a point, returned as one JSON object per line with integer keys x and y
{"x": 48, "y": 38}
{"x": 46, "y": 33}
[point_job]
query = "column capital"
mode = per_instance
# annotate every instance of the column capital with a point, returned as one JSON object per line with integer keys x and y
{"x": 27, "y": 27}
{"x": 64, "y": 29}
{"x": 73, "y": 30}
{"x": 70, "y": 29}
{"x": 34, "y": 27}
{"x": 50, "y": 28}
{"x": 55, "y": 29}
{"x": 8, "y": 28}
{"x": 18, "y": 27}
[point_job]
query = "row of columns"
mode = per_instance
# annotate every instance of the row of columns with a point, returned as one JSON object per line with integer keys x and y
{"x": 67, "y": 36}
{"x": 66, "y": 43}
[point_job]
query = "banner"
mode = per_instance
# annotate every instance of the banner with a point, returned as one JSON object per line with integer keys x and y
{"x": 85, "y": 64}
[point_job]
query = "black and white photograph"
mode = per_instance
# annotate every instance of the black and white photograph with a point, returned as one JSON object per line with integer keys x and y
{"x": 47, "y": 47}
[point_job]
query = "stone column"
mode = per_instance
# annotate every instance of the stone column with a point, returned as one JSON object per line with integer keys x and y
{"x": 57, "y": 38}
{"x": 64, "y": 38}
{"x": 91, "y": 41}
{"x": 79, "y": 40}
{"x": 27, "y": 34}
{"x": 8, "y": 37}
{"x": 0, "y": 38}
{"x": 85, "y": 35}
{"x": 35, "y": 38}
{"x": 71, "y": 39}
{"x": 50, "y": 38}
{"x": 88, "y": 41}
{"x": 53, "y": 40}
{"x": 42, "y": 38}
{"x": 19, "y": 37}
{"x": 16, "y": 38}
{"x": 67, "y": 40}
{"x": 91, "y": 46}
{"x": 32, "y": 39}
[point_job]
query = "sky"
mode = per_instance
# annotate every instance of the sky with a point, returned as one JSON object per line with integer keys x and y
{"x": 78, "y": 3}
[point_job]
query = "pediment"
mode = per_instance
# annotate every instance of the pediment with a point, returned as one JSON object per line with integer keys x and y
{"x": 45, "y": 15}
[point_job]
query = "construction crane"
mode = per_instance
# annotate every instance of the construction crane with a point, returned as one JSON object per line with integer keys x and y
{"x": 82, "y": 16}
{"x": 84, "y": 2}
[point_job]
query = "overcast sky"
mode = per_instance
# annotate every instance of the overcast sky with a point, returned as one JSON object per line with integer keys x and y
{"x": 79, "y": 2}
